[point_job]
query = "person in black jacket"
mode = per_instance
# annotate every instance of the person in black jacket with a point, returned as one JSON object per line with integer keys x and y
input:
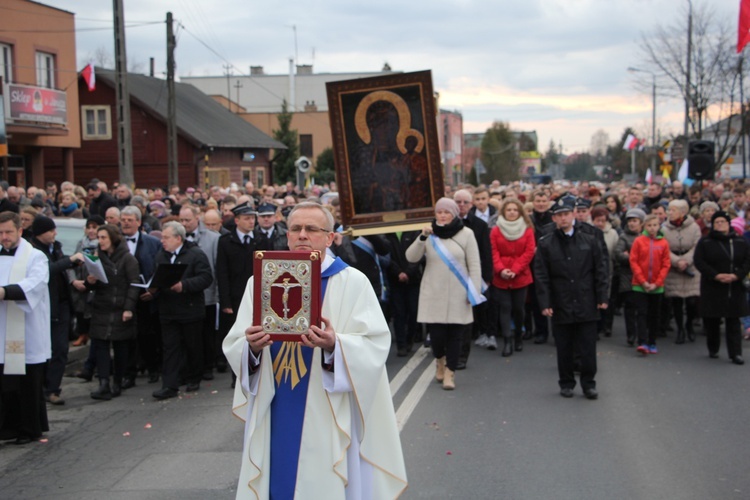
{"x": 147, "y": 343}
{"x": 44, "y": 231}
{"x": 100, "y": 200}
{"x": 234, "y": 267}
{"x": 541, "y": 217}
{"x": 482, "y": 315}
{"x": 112, "y": 310}
{"x": 403, "y": 281}
{"x": 572, "y": 286}
{"x": 182, "y": 311}
{"x": 723, "y": 259}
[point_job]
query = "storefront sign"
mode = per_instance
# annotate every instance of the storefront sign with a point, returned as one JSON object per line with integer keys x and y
{"x": 36, "y": 104}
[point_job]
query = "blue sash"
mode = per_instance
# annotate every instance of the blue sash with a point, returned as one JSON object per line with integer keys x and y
{"x": 475, "y": 298}
{"x": 291, "y": 375}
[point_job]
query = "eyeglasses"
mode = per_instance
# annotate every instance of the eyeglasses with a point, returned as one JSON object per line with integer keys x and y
{"x": 463, "y": 202}
{"x": 308, "y": 229}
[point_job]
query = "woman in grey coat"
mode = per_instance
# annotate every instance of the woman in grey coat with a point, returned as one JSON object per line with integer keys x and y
{"x": 682, "y": 285}
{"x": 444, "y": 299}
{"x": 113, "y": 309}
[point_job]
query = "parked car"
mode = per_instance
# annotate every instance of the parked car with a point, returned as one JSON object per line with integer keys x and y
{"x": 69, "y": 233}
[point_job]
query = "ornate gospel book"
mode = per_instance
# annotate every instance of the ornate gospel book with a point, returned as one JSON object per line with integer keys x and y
{"x": 286, "y": 293}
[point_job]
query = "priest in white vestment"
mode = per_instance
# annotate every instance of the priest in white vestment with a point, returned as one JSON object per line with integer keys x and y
{"x": 343, "y": 442}
{"x": 24, "y": 334}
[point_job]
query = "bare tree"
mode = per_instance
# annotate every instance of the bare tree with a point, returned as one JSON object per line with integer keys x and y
{"x": 709, "y": 83}
{"x": 101, "y": 58}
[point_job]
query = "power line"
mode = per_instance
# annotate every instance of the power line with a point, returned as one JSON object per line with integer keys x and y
{"x": 78, "y": 30}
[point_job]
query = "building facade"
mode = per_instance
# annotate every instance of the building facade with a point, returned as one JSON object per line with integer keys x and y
{"x": 38, "y": 70}
{"x": 214, "y": 146}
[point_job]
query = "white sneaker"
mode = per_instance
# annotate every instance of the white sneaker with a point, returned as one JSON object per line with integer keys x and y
{"x": 492, "y": 343}
{"x": 482, "y": 341}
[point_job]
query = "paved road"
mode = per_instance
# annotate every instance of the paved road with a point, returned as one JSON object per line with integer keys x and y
{"x": 668, "y": 426}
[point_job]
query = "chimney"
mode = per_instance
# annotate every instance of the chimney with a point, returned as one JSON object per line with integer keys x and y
{"x": 256, "y": 70}
{"x": 151, "y": 67}
{"x": 310, "y": 106}
{"x": 304, "y": 69}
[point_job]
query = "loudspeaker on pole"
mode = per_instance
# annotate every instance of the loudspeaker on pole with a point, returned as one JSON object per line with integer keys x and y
{"x": 701, "y": 160}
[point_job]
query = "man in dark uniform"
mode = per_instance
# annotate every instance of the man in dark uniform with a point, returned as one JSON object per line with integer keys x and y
{"x": 234, "y": 266}
{"x": 572, "y": 282}
{"x": 269, "y": 234}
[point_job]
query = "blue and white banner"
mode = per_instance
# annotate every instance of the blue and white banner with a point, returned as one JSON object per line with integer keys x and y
{"x": 475, "y": 298}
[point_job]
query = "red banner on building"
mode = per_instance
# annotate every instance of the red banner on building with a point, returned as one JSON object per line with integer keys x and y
{"x": 36, "y": 104}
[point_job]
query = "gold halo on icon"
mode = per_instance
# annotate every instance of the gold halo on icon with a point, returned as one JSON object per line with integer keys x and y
{"x": 404, "y": 119}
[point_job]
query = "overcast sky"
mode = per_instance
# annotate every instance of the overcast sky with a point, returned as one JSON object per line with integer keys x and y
{"x": 555, "y": 66}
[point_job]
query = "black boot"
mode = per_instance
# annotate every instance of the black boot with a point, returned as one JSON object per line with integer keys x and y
{"x": 690, "y": 330}
{"x": 507, "y": 347}
{"x": 680, "y": 334}
{"x": 103, "y": 393}
{"x": 519, "y": 342}
{"x": 116, "y": 387}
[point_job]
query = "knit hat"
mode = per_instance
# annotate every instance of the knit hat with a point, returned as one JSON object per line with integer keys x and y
{"x": 719, "y": 214}
{"x": 41, "y": 225}
{"x": 738, "y": 224}
{"x": 448, "y": 205}
{"x": 635, "y": 213}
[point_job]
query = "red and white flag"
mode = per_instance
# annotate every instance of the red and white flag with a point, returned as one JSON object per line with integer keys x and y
{"x": 743, "y": 30}
{"x": 89, "y": 76}
{"x": 649, "y": 176}
{"x": 631, "y": 142}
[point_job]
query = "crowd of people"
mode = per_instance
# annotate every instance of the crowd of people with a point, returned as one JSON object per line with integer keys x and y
{"x": 512, "y": 263}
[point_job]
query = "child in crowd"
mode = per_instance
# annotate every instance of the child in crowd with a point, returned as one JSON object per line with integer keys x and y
{"x": 650, "y": 262}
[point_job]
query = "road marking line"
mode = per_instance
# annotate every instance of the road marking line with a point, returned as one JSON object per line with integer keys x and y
{"x": 407, "y": 370}
{"x": 415, "y": 394}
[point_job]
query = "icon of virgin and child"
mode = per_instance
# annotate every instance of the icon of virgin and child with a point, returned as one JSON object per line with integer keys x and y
{"x": 388, "y": 165}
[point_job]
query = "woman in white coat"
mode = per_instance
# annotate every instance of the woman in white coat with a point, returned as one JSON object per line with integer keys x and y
{"x": 450, "y": 286}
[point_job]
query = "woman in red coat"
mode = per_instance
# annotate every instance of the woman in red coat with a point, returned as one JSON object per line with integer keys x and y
{"x": 513, "y": 247}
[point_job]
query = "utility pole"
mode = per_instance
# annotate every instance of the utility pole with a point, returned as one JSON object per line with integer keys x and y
{"x": 687, "y": 74}
{"x": 238, "y": 86}
{"x": 172, "y": 160}
{"x": 228, "y": 68}
{"x": 122, "y": 95}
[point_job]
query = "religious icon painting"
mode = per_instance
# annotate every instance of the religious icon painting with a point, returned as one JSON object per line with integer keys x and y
{"x": 286, "y": 293}
{"x": 386, "y": 150}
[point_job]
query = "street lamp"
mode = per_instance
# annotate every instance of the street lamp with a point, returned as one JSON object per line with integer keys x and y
{"x": 653, "y": 103}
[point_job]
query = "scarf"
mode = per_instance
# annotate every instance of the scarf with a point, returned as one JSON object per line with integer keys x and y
{"x": 678, "y": 223}
{"x": 71, "y": 208}
{"x": 449, "y": 230}
{"x": 512, "y": 230}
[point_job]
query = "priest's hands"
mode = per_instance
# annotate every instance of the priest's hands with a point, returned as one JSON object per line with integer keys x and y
{"x": 257, "y": 338}
{"x": 325, "y": 338}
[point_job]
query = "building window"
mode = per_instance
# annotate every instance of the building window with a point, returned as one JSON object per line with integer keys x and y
{"x": 306, "y": 145}
{"x": 260, "y": 177}
{"x": 97, "y": 124}
{"x": 45, "y": 70}
{"x": 246, "y": 175}
{"x": 6, "y": 63}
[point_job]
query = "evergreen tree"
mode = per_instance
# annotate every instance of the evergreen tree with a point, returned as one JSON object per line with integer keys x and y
{"x": 283, "y": 166}
{"x": 499, "y": 155}
{"x": 325, "y": 170}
